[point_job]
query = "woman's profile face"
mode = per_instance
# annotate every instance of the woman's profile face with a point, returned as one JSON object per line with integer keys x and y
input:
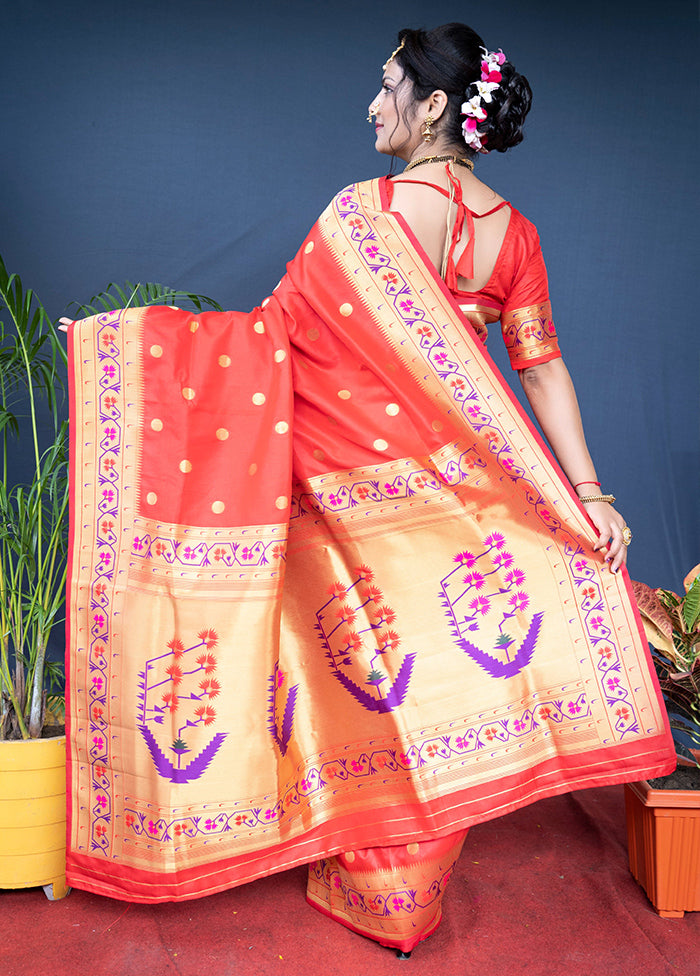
{"x": 395, "y": 127}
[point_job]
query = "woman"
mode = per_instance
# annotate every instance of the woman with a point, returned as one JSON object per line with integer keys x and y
{"x": 331, "y": 599}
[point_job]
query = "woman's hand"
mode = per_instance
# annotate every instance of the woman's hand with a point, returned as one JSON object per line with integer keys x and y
{"x": 610, "y": 525}
{"x": 64, "y": 323}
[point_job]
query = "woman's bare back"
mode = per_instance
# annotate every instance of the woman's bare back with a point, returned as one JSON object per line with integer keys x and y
{"x": 426, "y": 211}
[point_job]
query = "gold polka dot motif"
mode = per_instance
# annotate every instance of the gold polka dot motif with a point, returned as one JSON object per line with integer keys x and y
{"x": 412, "y": 849}
{"x": 224, "y": 361}
{"x": 156, "y": 351}
{"x": 259, "y": 327}
{"x": 151, "y": 498}
{"x": 380, "y": 444}
{"x": 392, "y": 409}
{"x": 346, "y": 309}
{"x": 344, "y": 394}
{"x": 185, "y": 466}
{"x": 252, "y": 469}
{"x": 280, "y": 355}
{"x": 282, "y": 502}
{"x": 309, "y": 247}
{"x": 222, "y": 434}
{"x": 194, "y": 326}
{"x": 217, "y": 507}
{"x": 258, "y": 399}
{"x": 156, "y": 424}
{"x": 188, "y": 393}
{"x": 281, "y": 426}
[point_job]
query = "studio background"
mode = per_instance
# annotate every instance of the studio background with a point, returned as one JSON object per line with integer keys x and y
{"x": 194, "y": 144}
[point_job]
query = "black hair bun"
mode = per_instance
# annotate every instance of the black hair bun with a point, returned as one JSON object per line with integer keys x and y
{"x": 510, "y": 103}
{"x": 449, "y": 58}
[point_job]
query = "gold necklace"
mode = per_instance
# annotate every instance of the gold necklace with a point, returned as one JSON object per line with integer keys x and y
{"x": 440, "y": 159}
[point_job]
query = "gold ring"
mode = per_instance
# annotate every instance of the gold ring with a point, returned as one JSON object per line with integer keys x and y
{"x": 627, "y": 535}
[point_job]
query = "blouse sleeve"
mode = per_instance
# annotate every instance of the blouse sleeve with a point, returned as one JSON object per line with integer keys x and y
{"x": 526, "y": 319}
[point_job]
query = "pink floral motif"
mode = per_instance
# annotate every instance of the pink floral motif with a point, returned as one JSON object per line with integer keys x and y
{"x": 496, "y": 539}
{"x": 480, "y": 605}
{"x": 503, "y": 560}
{"x": 475, "y": 579}
{"x": 519, "y": 601}
{"x": 466, "y": 559}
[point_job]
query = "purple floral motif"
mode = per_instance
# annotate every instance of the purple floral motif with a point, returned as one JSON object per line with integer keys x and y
{"x": 181, "y": 687}
{"x": 281, "y": 731}
{"x": 485, "y": 596}
{"x": 354, "y": 627}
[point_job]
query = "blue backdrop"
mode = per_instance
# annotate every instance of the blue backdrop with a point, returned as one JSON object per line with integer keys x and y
{"x": 194, "y": 143}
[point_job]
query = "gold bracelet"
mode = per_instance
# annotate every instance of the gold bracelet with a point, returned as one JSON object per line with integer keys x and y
{"x": 584, "y": 499}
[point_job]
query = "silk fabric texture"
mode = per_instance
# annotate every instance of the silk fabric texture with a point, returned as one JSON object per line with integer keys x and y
{"x": 328, "y": 590}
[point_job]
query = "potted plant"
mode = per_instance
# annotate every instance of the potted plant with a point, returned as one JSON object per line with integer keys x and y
{"x": 663, "y": 816}
{"x": 33, "y": 559}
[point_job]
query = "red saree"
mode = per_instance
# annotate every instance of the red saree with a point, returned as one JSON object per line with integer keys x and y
{"x": 328, "y": 590}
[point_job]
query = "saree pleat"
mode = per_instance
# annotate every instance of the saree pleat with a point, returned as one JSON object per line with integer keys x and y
{"x": 328, "y": 590}
{"x": 390, "y": 894}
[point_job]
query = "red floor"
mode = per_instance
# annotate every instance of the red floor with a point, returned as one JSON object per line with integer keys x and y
{"x": 545, "y": 891}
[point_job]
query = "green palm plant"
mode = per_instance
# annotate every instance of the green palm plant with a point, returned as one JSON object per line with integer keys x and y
{"x": 33, "y": 512}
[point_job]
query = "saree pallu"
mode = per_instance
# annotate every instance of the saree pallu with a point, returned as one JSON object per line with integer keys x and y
{"x": 328, "y": 590}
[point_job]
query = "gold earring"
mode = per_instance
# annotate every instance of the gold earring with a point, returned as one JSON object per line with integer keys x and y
{"x": 426, "y": 131}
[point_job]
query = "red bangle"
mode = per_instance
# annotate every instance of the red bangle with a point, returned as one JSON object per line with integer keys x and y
{"x": 586, "y": 483}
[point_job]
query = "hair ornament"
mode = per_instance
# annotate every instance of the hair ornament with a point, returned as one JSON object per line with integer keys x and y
{"x": 478, "y": 93}
{"x": 394, "y": 53}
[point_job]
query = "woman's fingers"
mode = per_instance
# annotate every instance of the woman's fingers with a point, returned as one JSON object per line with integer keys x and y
{"x": 609, "y": 525}
{"x": 64, "y": 323}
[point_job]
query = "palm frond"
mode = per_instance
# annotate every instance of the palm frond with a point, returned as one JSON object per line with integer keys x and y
{"x": 139, "y": 295}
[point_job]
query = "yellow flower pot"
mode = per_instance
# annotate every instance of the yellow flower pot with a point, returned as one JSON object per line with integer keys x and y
{"x": 33, "y": 815}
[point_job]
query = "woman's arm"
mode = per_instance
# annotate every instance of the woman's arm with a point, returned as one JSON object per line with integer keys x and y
{"x": 552, "y": 397}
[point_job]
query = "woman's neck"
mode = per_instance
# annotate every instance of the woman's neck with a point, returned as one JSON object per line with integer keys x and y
{"x": 438, "y": 148}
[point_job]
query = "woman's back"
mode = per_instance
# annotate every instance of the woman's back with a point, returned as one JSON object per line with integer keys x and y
{"x": 435, "y": 220}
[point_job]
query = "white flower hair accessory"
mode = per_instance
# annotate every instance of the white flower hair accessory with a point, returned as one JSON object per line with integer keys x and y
{"x": 478, "y": 93}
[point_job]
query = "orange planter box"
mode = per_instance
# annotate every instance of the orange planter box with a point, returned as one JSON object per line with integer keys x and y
{"x": 663, "y": 836}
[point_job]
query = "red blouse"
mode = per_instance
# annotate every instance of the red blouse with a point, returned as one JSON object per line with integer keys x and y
{"x": 517, "y": 292}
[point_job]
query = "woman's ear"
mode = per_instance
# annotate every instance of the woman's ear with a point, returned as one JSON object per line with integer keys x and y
{"x": 437, "y": 103}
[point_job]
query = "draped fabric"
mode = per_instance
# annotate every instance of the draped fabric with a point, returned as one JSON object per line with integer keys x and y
{"x": 390, "y": 894}
{"x": 328, "y": 590}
